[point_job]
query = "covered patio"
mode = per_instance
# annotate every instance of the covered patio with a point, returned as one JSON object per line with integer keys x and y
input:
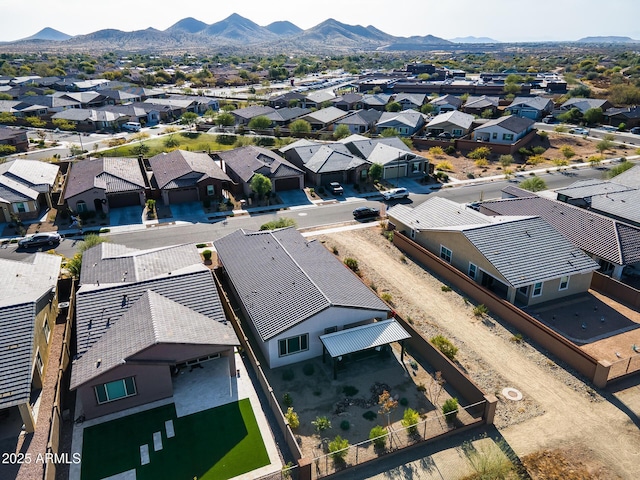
{"x": 365, "y": 338}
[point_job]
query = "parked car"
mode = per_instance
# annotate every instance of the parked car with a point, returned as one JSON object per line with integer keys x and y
{"x": 40, "y": 239}
{"x": 549, "y": 119}
{"x": 362, "y": 213}
{"x": 395, "y": 193}
{"x": 336, "y": 188}
{"x": 579, "y": 131}
{"x": 445, "y": 135}
{"x": 132, "y": 126}
{"x": 635, "y": 130}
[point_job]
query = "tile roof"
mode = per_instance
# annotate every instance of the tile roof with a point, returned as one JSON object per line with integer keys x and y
{"x": 23, "y": 285}
{"x": 249, "y": 160}
{"x": 320, "y": 96}
{"x": 170, "y": 167}
{"x": 437, "y": 212}
{"x": 528, "y": 250}
{"x": 363, "y": 147}
{"x": 383, "y": 154}
{"x": 110, "y": 174}
{"x": 537, "y": 103}
{"x": 463, "y": 120}
{"x": 410, "y": 118}
{"x": 512, "y": 123}
{"x": 153, "y": 319}
{"x": 583, "y": 104}
{"x": 253, "y": 111}
{"x": 286, "y": 114}
{"x": 630, "y": 178}
{"x": 12, "y": 191}
{"x": 623, "y": 205}
{"x": 40, "y": 176}
{"x": 483, "y": 101}
{"x": 596, "y": 234}
{"x": 589, "y": 188}
{"x": 325, "y": 115}
{"x": 326, "y": 159}
{"x": 447, "y": 100}
{"x": 282, "y": 279}
{"x": 378, "y": 99}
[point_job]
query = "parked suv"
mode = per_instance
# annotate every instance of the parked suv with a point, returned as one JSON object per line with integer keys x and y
{"x": 363, "y": 213}
{"x": 395, "y": 193}
{"x": 39, "y": 239}
{"x": 336, "y": 188}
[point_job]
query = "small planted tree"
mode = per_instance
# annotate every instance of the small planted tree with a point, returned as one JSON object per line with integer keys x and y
{"x": 387, "y": 405}
{"x": 292, "y": 418}
{"x": 533, "y": 184}
{"x": 445, "y": 346}
{"x": 206, "y": 254}
{"x": 375, "y": 172}
{"x": 410, "y": 421}
{"x": 480, "y": 152}
{"x": 260, "y": 184}
{"x": 379, "y": 436}
{"x": 567, "y": 152}
{"x": 338, "y": 448}
{"x": 321, "y": 424}
{"x": 450, "y": 409}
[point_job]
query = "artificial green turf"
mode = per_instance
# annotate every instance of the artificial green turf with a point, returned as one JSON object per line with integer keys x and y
{"x": 215, "y": 444}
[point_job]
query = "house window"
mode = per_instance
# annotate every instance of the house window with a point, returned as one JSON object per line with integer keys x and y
{"x": 364, "y": 174}
{"x": 39, "y": 362}
{"x": 445, "y": 254}
{"x": 494, "y": 135}
{"x": 330, "y": 330}
{"x": 46, "y": 329}
{"x": 507, "y": 136}
{"x": 473, "y": 270}
{"x": 211, "y": 191}
{"x": 294, "y": 345}
{"x": 564, "y": 282}
{"x": 524, "y": 290}
{"x": 456, "y": 132}
{"x": 21, "y": 207}
{"x": 81, "y": 207}
{"x": 108, "y": 392}
{"x": 537, "y": 289}
{"x": 415, "y": 167}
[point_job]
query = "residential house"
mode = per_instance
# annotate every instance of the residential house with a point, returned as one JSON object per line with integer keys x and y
{"x": 25, "y": 188}
{"x": 582, "y": 192}
{"x": 629, "y": 116}
{"x": 317, "y": 99}
{"x": 534, "y": 108}
{"x": 503, "y": 130}
{"x": 621, "y": 206}
{"x": 100, "y": 184}
{"x": 241, "y": 164}
{"x": 406, "y": 122}
{"x": 446, "y": 103}
{"x": 612, "y": 244}
{"x": 53, "y": 104}
{"x": 144, "y": 113}
{"x": 244, "y": 115}
{"x": 28, "y": 311}
{"x": 522, "y": 259}
{"x": 376, "y": 101}
{"x": 629, "y": 178}
{"x": 478, "y": 105}
{"x": 142, "y": 317}
{"x": 291, "y": 291}
{"x": 410, "y": 101}
{"x": 285, "y": 100}
{"x": 284, "y": 116}
{"x": 348, "y": 102}
{"x": 92, "y": 120}
{"x": 325, "y": 118}
{"x": 397, "y": 162}
{"x": 87, "y": 100}
{"x": 183, "y": 176}
{"x": 360, "y": 121}
{"x": 119, "y": 97}
{"x": 21, "y": 109}
{"x": 584, "y": 104}
{"x": 454, "y": 123}
{"x": 17, "y": 139}
{"x": 174, "y": 107}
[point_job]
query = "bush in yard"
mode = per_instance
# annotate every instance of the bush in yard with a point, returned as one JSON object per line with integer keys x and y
{"x": 352, "y": 263}
{"x": 535, "y": 160}
{"x": 369, "y": 415}
{"x": 338, "y": 448}
{"x": 538, "y": 150}
{"x": 308, "y": 369}
{"x": 450, "y": 409}
{"x": 481, "y": 162}
{"x": 287, "y": 400}
{"x": 206, "y": 254}
{"x": 505, "y": 160}
{"x": 345, "y": 425}
{"x": 436, "y": 151}
{"x": 480, "y": 310}
{"x": 618, "y": 169}
{"x": 410, "y": 420}
{"x": 450, "y": 150}
{"x": 379, "y": 436}
{"x": 444, "y": 165}
{"x": 321, "y": 424}
{"x": 349, "y": 390}
{"x": 534, "y": 184}
{"x": 279, "y": 223}
{"x": 292, "y": 418}
{"x": 445, "y": 346}
{"x": 480, "y": 152}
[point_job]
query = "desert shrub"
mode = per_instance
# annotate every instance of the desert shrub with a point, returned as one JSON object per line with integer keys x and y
{"x": 321, "y": 424}
{"x": 535, "y": 160}
{"x": 201, "y": 245}
{"x": 445, "y": 288}
{"x": 287, "y": 399}
{"x": 349, "y": 390}
{"x": 379, "y": 436}
{"x": 450, "y": 409}
{"x": 534, "y": 184}
{"x": 490, "y": 462}
{"x": 481, "y": 162}
{"x": 618, "y": 169}
{"x": 538, "y": 150}
{"x": 480, "y": 152}
{"x": 352, "y": 263}
{"x": 595, "y": 160}
{"x": 308, "y": 369}
{"x": 338, "y": 448}
{"x": 369, "y": 415}
{"x": 386, "y": 296}
{"x": 410, "y": 420}
{"x": 561, "y": 129}
{"x": 421, "y": 387}
{"x": 292, "y": 418}
{"x": 480, "y": 310}
{"x": 443, "y": 344}
{"x": 450, "y": 150}
{"x": 279, "y": 223}
{"x": 525, "y": 152}
{"x": 505, "y": 160}
{"x": 543, "y": 134}
{"x": 560, "y": 162}
{"x": 287, "y": 375}
{"x": 444, "y": 165}
{"x": 435, "y": 151}
{"x": 226, "y": 139}
{"x": 206, "y": 254}
{"x": 345, "y": 425}
{"x": 443, "y": 177}
{"x": 388, "y": 234}
{"x": 265, "y": 141}
{"x": 517, "y": 338}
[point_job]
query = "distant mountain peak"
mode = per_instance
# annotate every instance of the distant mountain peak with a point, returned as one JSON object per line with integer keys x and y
{"x": 49, "y": 33}
{"x": 472, "y": 39}
{"x": 187, "y": 25}
{"x": 283, "y": 28}
{"x": 607, "y": 39}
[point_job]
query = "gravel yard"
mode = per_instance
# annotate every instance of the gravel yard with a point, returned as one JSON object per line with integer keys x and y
{"x": 557, "y": 410}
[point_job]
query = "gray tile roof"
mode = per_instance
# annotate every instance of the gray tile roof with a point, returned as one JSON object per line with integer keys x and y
{"x": 247, "y": 161}
{"x": 482, "y": 101}
{"x": 325, "y": 115}
{"x": 410, "y": 118}
{"x": 414, "y": 98}
{"x": 363, "y": 147}
{"x": 170, "y": 167}
{"x": 320, "y": 96}
{"x": 23, "y": 285}
{"x": 384, "y": 154}
{"x": 436, "y": 212}
{"x": 287, "y": 114}
{"x": 622, "y": 205}
{"x": 153, "y": 319}
{"x": 109, "y": 263}
{"x": 40, "y": 176}
{"x": 595, "y": 234}
{"x": 589, "y": 188}
{"x": 12, "y": 191}
{"x": 512, "y": 123}
{"x": 378, "y": 99}
{"x": 630, "y": 178}
{"x": 463, "y": 120}
{"x": 528, "y": 250}
{"x": 447, "y": 100}
{"x": 326, "y": 159}
{"x": 282, "y": 279}
{"x": 110, "y": 174}
{"x": 537, "y": 103}
{"x": 253, "y": 111}
{"x": 583, "y": 104}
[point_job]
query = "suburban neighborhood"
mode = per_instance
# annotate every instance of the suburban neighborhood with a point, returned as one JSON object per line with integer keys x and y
{"x": 395, "y": 264}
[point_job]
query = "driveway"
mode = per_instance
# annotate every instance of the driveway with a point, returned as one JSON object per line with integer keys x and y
{"x": 188, "y": 212}
{"x": 125, "y": 216}
{"x": 294, "y": 198}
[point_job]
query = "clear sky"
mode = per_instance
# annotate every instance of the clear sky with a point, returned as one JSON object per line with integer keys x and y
{"x": 503, "y": 20}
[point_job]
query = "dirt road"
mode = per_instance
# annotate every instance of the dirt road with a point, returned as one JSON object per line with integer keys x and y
{"x": 558, "y": 410}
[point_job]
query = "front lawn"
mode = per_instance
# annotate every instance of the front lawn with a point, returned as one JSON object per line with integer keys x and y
{"x": 218, "y": 443}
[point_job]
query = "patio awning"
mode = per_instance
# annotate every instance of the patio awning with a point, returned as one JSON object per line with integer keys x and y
{"x": 364, "y": 337}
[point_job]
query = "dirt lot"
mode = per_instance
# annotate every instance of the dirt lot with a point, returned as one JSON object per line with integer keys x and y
{"x": 558, "y": 409}
{"x": 584, "y": 149}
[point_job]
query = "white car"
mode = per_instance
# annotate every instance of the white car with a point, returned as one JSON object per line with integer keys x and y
{"x": 396, "y": 193}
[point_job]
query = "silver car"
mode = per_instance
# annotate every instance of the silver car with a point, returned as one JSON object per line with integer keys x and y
{"x": 40, "y": 239}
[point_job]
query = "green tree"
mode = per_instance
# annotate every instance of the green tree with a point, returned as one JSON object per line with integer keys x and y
{"x": 260, "y": 184}
{"x": 5, "y": 96}
{"x": 572, "y": 116}
{"x": 410, "y": 421}
{"x": 300, "y": 126}
{"x": 6, "y": 117}
{"x": 393, "y": 107}
{"x": 450, "y": 409}
{"x": 189, "y": 119}
{"x": 427, "y": 108}
{"x": 533, "y": 184}
{"x": 593, "y": 116}
{"x": 35, "y": 122}
{"x": 338, "y": 449}
{"x": 389, "y": 132}
{"x": 259, "y": 123}
{"x": 375, "y": 172}
{"x": 604, "y": 145}
{"x": 567, "y": 151}
{"x": 225, "y": 119}
{"x": 141, "y": 150}
{"x": 74, "y": 265}
{"x": 480, "y": 152}
{"x": 445, "y": 346}
{"x": 341, "y": 131}
{"x": 7, "y": 150}
{"x": 379, "y": 436}
{"x": 63, "y": 124}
